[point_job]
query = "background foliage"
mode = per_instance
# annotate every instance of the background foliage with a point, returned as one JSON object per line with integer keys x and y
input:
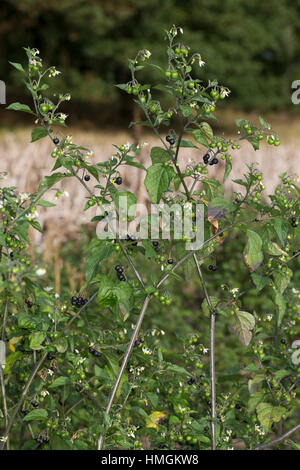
{"x": 253, "y": 46}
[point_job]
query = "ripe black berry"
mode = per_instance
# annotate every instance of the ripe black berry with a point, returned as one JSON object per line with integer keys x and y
{"x": 29, "y": 304}
{"x": 155, "y": 243}
{"x": 206, "y": 158}
{"x": 172, "y": 141}
{"x": 11, "y": 255}
{"x": 238, "y": 406}
{"x": 206, "y": 429}
{"x": 25, "y": 412}
{"x": 87, "y": 178}
{"x": 212, "y": 267}
{"x": 168, "y": 138}
{"x": 170, "y": 261}
{"x": 293, "y": 219}
{"x": 283, "y": 341}
{"x": 56, "y": 141}
{"x": 122, "y": 277}
{"x": 118, "y": 269}
{"x": 191, "y": 381}
{"x": 118, "y": 180}
{"x": 35, "y": 404}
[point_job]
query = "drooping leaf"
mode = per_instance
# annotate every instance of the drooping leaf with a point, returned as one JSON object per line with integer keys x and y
{"x": 243, "y": 327}
{"x": 253, "y": 254}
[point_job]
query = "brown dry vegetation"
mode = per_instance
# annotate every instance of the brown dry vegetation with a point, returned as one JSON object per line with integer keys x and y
{"x": 26, "y": 163}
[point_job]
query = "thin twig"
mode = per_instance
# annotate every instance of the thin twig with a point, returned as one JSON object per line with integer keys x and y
{"x": 278, "y": 439}
{"x": 22, "y": 398}
{"x": 212, "y": 355}
{"x": 125, "y": 361}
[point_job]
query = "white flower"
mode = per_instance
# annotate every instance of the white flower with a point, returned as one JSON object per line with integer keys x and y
{"x": 24, "y": 197}
{"x": 181, "y": 409}
{"x": 76, "y": 351}
{"x": 69, "y": 139}
{"x": 44, "y": 393}
{"x": 145, "y": 144}
{"x": 130, "y": 434}
{"x": 40, "y": 271}
{"x": 224, "y": 92}
{"x": 146, "y": 351}
{"x": 49, "y": 289}
{"x": 234, "y": 291}
{"x": 269, "y": 318}
{"x": 56, "y": 295}
{"x": 63, "y": 116}
{"x": 163, "y": 434}
{"x": 32, "y": 215}
{"x": 3, "y": 438}
{"x": 147, "y": 54}
{"x": 53, "y": 72}
{"x": 50, "y": 372}
{"x": 127, "y": 146}
{"x": 201, "y": 62}
{"x": 205, "y": 350}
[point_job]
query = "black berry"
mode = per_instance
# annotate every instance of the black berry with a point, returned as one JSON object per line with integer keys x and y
{"x": 118, "y": 180}
{"x": 212, "y": 267}
{"x": 87, "y": 178}
{"x": 155, "y": 243}
{"x": 34, "y": 404}
{"x": 172, "y": 141}
{"x": 56, "y": 141}
{"x": 170, "y": 261}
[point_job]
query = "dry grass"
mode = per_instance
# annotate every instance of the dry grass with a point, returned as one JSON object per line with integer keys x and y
{"x": 27, "y": 163}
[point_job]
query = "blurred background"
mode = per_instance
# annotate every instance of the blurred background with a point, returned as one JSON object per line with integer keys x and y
{"x": 251, "y": 47}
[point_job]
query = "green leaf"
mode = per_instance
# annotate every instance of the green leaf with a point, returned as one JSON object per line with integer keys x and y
{"x": 98, "y": 253}
{"x": 281, "y": 306}
{"x": 207, "y": 130}
{"x": 17, "y": 66}
{"x": 200, "y": 137}
{"x": 60, "y": 381}
{"x": 39, "y": 414}
{"x": 282, "y": 279}
{"x": 228, "y": 168}
{"x": 38, "y": 133}
{"x": 159, "y": 155}
{"x": 111, "y": 295}
{"x": 253, "y": 254}
{"x": 187, "y": 144}
{"x": 45, "y": 204}
{"x": 61, "y": 344}
{"x": 50, "y": 181}
{"x": 259, "y": 281}
{"x": 281, "y": 228}
{"x": 20, "y": 107}
{"x": 222, "y": 203}
{"x": 275, "y": 250}
{"x": 56, "y": 443}
{"x": 269, "y": 414}
{"x": 35, "y": 340}
{"x": 245, "y": 323}
{"x": 157, "y": 181}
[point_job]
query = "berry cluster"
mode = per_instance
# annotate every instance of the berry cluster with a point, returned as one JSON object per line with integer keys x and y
{"x": 294, "y": 222}
{"x": 78, "y": 301}
{"x": 120, "y": 273}
{"x": 156, "y": 248}
{"x": 28, "y": 303}
{"x": 170, "y": 140}
{"x": 212, "y": 267}
{"x": 94, "y": 352}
